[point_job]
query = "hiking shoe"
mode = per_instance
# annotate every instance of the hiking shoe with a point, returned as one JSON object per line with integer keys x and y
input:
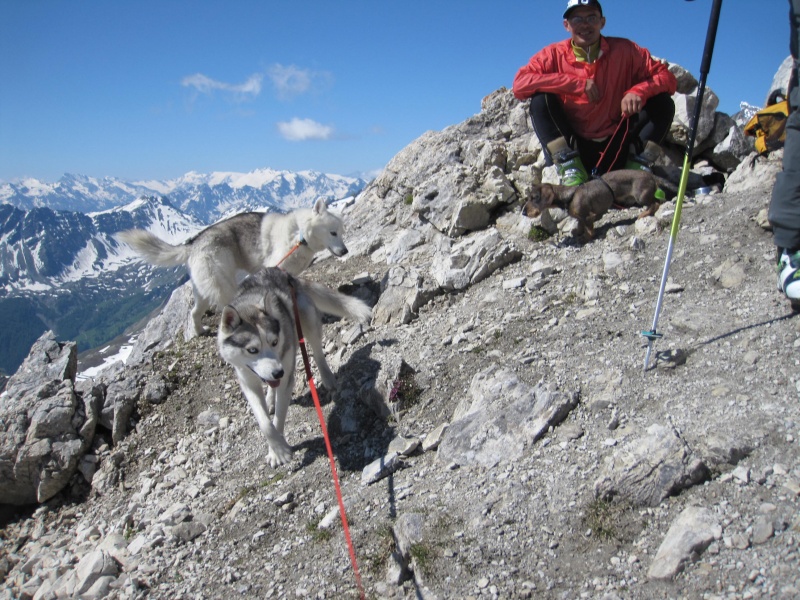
{"x": 571, "y": 171}
{"x": 644, "y": 159}
{"x": 639, "y": 163}
{"x": 789, "y": 275}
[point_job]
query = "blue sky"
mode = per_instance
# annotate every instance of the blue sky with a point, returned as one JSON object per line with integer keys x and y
{"x": 152, "y": 89}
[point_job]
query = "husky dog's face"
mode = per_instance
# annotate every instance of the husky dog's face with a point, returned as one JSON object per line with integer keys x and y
{"x": 249, "y": 338}
{"x": 325, "y": 230}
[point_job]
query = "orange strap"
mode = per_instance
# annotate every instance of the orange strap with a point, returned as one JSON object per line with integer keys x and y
{"x": 321, "y": 418}
{"x": 288, "y": 254}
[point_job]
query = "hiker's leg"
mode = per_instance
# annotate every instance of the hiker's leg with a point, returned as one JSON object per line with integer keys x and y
{"x": 654, "y": 119}
{"x": 648, "y": 130}
{"x": 784, "y": 208}
{"x": 550, "y": 124}
{"x": 557, "y": 137}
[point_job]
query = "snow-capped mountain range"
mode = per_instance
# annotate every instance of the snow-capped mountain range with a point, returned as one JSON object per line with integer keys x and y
{"x": 61, "y": 262}
{"x": 54, "y": 233}
{"x": 206, "y": 197}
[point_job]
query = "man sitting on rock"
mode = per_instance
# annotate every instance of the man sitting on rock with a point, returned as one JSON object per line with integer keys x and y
{"x": 581, "y": 90}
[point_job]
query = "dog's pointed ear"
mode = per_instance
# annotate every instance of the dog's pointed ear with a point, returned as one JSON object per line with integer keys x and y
{"x": 230, "y": 319}
{"x": 320, "y": 207}
{"x": 272, "y": 305}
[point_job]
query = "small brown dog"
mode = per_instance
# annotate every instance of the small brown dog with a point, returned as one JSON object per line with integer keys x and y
{"x": 590, "y": 201}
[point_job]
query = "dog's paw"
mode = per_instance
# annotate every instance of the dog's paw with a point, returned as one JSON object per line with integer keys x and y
{"x": 190, "y": 333}
{"x": 279, "y": 454}
{"x": 329, "y": 382}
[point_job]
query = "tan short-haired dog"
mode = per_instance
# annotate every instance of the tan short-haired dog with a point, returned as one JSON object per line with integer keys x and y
{"x": 588, "y": 202}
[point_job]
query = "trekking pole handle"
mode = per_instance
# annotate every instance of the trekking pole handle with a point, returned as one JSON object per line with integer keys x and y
{"x": 711, "y": 35}
{"x": 705, "y": 66}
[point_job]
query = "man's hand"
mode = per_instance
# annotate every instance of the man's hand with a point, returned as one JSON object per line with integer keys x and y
{"x": 592, "y": 91}
{"x": 631, "y": 104}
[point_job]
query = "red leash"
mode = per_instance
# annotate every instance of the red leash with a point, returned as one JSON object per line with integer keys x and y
{"x": 625, "y": 120}
{"x": 321, "y": 418}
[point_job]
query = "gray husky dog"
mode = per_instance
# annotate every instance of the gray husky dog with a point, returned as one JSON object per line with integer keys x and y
{"x": 245, "y": 242}
{"x": 259, "y": 339}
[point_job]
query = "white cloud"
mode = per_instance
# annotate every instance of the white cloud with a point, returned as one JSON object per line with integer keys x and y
{"x": 290, "y": 81}
{"x": 251, "y": 86}
{"x": 299, "y": 130}
{"x": 205, "y": 85}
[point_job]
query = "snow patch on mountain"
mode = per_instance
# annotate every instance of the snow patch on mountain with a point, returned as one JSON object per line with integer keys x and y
{"x": 84, "y": 265}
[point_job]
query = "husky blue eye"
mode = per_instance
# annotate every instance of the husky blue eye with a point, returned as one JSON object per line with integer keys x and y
{"x": 252, "y": 350}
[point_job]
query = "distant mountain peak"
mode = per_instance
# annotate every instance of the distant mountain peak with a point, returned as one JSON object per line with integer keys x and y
{"x": 204, "y": 196}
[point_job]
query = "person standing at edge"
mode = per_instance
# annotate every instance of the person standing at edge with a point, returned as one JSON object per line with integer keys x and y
{"x": 784, "y": 208}
{"x": 581, "y": 88}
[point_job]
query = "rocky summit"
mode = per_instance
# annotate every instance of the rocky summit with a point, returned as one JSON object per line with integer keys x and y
{"x": 495, "y": 431}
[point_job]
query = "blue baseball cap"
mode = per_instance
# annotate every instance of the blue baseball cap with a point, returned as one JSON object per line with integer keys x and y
{"x": 576, "y": 3}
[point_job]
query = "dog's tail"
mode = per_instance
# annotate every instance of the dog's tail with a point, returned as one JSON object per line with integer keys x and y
{"x": 336, "y": 303}
{"x": 153, "y": 249}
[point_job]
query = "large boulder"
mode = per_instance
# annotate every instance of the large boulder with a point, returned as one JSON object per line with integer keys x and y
{"x": 502, "y": 418}
{"x": 46, "y": 427}
{"x": 756, "y": 172}
{"x": 685, "y": 108}
{"x": 162, "y": 330}
{"x": 781, "y": 79}
{"x": 650, "y": 468}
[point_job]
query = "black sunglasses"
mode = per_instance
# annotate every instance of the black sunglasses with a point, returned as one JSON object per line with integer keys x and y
{"x": 591, "y": 20}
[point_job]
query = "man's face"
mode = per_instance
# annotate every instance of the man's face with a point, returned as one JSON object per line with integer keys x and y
{"x": 584, "y": 24}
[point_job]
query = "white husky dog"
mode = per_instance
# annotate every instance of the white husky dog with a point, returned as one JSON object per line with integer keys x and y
{"x": 245, "y": 242}
{"x": 258, "y": 338}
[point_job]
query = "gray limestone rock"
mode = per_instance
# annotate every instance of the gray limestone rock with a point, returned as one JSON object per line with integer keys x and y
{"x": 504, "y": 418}
{"x": 470, "y": 260}
{"x": 650, "y": 468}
{"x": 44, "y": 425}
{"x": 403, "y": 293}
{"x": 691, "y": 533}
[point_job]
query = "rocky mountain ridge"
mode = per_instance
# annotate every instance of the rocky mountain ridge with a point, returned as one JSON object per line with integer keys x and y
{"x": 494, "y": 430}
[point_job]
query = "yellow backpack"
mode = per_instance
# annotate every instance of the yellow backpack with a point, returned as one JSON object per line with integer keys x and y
{"x": 768, "y": 125}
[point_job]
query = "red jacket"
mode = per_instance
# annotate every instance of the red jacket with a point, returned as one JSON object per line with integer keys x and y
{"x": 621, "y": 68}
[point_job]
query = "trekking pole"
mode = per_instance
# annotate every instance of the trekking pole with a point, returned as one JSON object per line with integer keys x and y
{"x": 711, "y": 35}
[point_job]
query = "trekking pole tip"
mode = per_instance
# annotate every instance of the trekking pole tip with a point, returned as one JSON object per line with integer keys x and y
{"x": 652, "y": 335}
